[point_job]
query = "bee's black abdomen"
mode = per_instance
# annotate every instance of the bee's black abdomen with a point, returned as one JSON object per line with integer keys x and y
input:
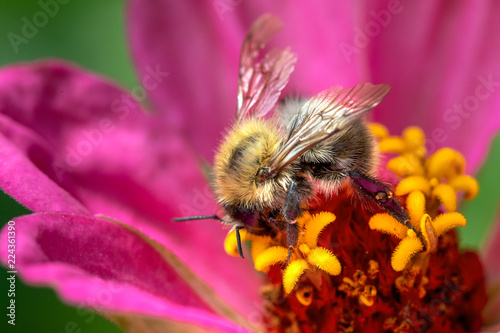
{"x": 352, "y": 149}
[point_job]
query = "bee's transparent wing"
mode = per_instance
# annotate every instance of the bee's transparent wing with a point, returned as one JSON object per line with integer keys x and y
{"x": 329, "y": 112}
{"x": 260, "y": 82}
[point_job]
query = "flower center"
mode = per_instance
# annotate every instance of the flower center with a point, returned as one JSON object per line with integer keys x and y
{"x": 353, "y": 271}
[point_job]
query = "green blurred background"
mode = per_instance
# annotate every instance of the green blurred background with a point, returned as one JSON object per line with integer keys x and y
{"x": 92, "y": 33}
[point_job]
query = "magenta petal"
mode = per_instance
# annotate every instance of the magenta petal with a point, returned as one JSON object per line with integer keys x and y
{"x": 99, "y": 264}
{"x": 198, "y": 44}
{"x": 441, "y": 59}
{"x": 121, "y": 163}
{"x": 28, "y": 185}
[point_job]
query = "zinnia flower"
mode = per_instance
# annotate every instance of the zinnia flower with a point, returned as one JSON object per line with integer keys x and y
{"x": 103, "y": 178}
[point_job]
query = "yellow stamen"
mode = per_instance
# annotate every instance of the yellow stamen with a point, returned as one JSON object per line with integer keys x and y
{"x": 428, "y": 233}
{"x": 373, "y": 269}
{"x": 379, "y": 131}
{"x": 305, "y": 295}
{"x": 414, "y": 137}
{"x": 304, "y": 249}
{"x": 444, "y": 160}
{"x": 415, "y": 204}
{"x": 367, "y": 297}
{"x": 392, "y": 144}
{"x": 413, "y": 183}
{"x": 406, "y": 165}
{"x": 403, "y": 253}
{"x": 270, "y": 256}
{"x": 292, "y": 274}
{"x": 387, "y": 224}
{"x": 315, "y": 226}
{"x": 230, "y": 244}
{"x": 446, "y": 194}
{"x": 448, "y": 221}
{"x": 305, "y": 218}
{"x": 259, "y": 244}
{"x": 465, "y": 183}
{"x": 324, "y": 260}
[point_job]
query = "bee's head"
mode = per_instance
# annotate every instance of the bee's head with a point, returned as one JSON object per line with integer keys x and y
{"x": 241, "y": 172}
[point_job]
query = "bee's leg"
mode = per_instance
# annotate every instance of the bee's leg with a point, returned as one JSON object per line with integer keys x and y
{"x": 292, "y": 236}
{"x": 369, "y": 187}
{"x": 292, "y": 208}
{"x": 300, "y": 189}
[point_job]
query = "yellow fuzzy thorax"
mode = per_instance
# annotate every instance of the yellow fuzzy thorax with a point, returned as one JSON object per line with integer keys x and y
{"x": 246, "y": 149}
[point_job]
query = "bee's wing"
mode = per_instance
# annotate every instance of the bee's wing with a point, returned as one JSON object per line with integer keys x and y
{"x": 260, "y": 83}
{"x": 329, "y": 112}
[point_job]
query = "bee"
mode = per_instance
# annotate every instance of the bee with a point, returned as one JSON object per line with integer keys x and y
{"x": 267, "y": 170}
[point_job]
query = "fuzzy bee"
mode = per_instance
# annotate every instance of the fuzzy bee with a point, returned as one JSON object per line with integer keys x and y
{"x": 267, "y": 169}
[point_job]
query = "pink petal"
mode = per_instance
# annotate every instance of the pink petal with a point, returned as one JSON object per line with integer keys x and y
{"x": 99, "y": 264}
{"x": 198, "y": 44}
{"x": 28, "y": 185}
{"x": 121, "y": 163}
{"x": 436, "y": 56}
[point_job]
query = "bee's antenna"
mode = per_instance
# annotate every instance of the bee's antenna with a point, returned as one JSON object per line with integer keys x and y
{"x": 214, "y": 217}
{"x": 201, "y": 217}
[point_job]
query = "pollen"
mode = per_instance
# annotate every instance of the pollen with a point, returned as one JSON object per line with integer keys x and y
{"x": 448, "y": 221}
{"x": 467, "y": 184}
{"x": 379, "y": 131}
{"x": 314, "y": 227}
{"x": 259, "y": 245}
{"x": 292, "y": 274}
{"x": 387, "y": 224}
{"x": 403, "y": 253}
{"x": 266, "y": 255}
{"x": 324, "y": 260}
{"x": 413, "y": 183}
{"x": 446, "y": 195}
{"x": 406, "y": 165}
{"x": 358, "y": 287}
{"x": 270, "y": 256}
{"x": 445, "y": 162}
{"x": 415, "y": 205}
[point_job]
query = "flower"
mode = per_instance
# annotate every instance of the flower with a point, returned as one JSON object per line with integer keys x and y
{"x": 377, "y": 283}
{"x": 73, "y": 145}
